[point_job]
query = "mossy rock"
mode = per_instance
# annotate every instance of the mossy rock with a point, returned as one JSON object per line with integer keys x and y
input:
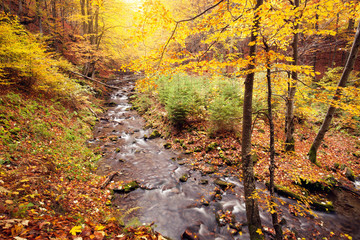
{"x": 197, "y": 149}
{"x": 223, "y": 184}
{"x": 167, "y": 145}
{"x": 349, "y": 174}
{"x": 323, "y": 206}
{"x": 342, "y": 167}
{"x": 15, "y": 130}
{"x": 313, "y": 186}
{"x": 154, "y": 134}
{"x": 203, "y": 181}
{"x": 320, "y": 206}
{"x": 117, "y": 150}
{"x": 208, "y": 170}
{"x": 254, "y": 158}
{"x": 184, "y": 177}
{"x": 128, "y": 187}
{"x": 356, "y": 154}
{"x": 111, "y": 104}
{"x": 211, "y": 146}
{"x": 283, "y": 191}
{"x": 113, "y": 138}
{"x": 230, "y": 162}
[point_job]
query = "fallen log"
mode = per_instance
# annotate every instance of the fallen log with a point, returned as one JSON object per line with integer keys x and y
{"x": 94, "y": 80}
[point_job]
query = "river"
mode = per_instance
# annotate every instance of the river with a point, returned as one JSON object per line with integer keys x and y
{"x": 185, "y": 209}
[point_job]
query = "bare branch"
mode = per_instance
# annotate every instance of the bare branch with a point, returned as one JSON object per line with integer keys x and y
{"x": 185, "y": 20}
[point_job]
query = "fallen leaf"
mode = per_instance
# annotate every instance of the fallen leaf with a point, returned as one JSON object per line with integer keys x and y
{"x": 75, "y": 230}
{"x": 4, "y": 190}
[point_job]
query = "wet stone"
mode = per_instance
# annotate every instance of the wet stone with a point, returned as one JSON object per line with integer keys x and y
{"x": 204, "y": 181}
{"x": 154, "y": 134}
{"x": 191, "y": 233}
{"x": 184, "y": 177}
{"x": 167, "y": 145}
{"x": 111, "y": 104}
{"x": 223, "y": 185}
{"x": 113, "y": 138}
{"x": 128, "y": 187}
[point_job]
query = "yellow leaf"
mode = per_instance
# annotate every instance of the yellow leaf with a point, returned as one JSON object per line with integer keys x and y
{"x": 259, "y": 231}
{"x": 99, "y": 228}
{"x": 75, "y": 230}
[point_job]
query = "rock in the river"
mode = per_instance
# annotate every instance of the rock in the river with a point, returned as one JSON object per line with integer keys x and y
{"x": 224, "y": 218}
{"x": 203, "y": 181}
{"x": 223, "y": 185}
{"x": 207, "y": 170}
{"x": 167, "y": 145}
{"x": 111, "y": 104}
{"x": 128, "y": 187}
{"x": 184, "y": 177}
{"x": 113, "y": 138}
{"x": 191, "y": 233}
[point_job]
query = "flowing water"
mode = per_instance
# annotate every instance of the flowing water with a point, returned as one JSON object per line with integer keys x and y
{"x": 180, "y": 209}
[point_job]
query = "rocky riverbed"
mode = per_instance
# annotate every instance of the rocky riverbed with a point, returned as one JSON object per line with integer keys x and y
{"x": 185, "y": 203}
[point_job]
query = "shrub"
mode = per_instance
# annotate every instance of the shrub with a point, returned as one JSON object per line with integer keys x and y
{"x": 24, "y": 61}
{"x": 226, "y": 108}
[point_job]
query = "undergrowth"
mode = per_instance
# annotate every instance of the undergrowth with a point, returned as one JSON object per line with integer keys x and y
{"x": 187, "y": 98}
{"x": 48, "y": 185}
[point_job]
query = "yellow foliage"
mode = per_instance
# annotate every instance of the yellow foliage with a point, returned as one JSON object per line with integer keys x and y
{"x": 25, "y": 61}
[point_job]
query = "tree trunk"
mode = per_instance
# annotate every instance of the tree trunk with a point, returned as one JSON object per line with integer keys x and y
{"x": 38, "y": 15}
{"x": 20, "y": 10}
{"x": 251, "y": 204}
{"x": 83, "y": 13}
{"x": 53, "y": 10}
{"x": 274, "y": 215}
{"x": 331, "y": 110}
{"x": 290, "y": 101}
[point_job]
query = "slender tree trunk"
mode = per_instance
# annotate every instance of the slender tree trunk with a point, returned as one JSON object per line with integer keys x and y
{"x": 316, "y": 39}
{"x": 332, "y": 61}
{"x": 252, "y": 208}
{"x": 83, "y": 13}
{"x": 39, "y": 15}
{"x": 290, "y": 101}
{"x": 331, "y": 110}
{"x": 20, "y": 10}
{"x": 274, "y": 215}
{"x": 53, "y": 10}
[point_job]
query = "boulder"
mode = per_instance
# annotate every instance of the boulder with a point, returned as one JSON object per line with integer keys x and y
{"x": 349, "y": 174}
{"x": 223, "y": 185}
{"x": 127, "y": 187}
{"x": 184, "y": 177}
{"x": 154, "y": 134}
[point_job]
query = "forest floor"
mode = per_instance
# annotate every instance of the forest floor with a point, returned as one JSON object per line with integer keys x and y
{"x": 48, "y": 189}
